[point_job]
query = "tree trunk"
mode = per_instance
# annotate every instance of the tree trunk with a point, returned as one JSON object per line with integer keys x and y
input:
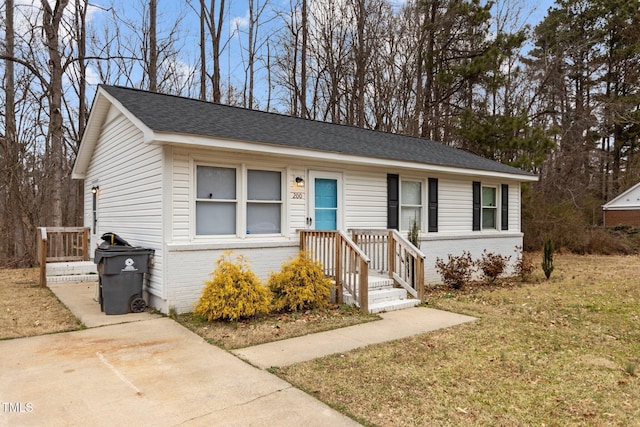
{"x": 55, "y": 136}
{"x": 303, "y": 61}
{"x": 13, "y": 248}
{"x": 152, "y": 66}
{"x": 361, "y": 66}
{"x": 203, "y": 55}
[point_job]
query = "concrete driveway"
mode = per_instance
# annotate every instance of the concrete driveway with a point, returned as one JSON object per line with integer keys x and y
{"x": 141, "y": 369}
{"x": 146, "y": 370}
{"x": 147, "y": 373}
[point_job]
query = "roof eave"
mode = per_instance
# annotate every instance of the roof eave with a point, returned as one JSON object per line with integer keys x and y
{"x": 178, "y": 139}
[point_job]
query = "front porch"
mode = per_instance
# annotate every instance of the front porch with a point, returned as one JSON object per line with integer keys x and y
{"x": 377, "y": 270}
{"x": 63, "y": 254}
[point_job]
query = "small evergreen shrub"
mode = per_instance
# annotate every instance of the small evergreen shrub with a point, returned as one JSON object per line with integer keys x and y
{"x": 457, "y": 271}
{"x": 234, "y": 292}
{"x": 300, "y": 285}
{"x": 414, "y": 234}
{"x": 547, "y": 258}
{"x": 492, "y": 265}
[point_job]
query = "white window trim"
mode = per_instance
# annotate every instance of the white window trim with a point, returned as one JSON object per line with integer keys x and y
{"x": 246, "y": 201}
{"x": 241, "y": 200}
{"x": 402, "y": 227}
{"x": 194, "y": 199}
{"x": 496, "y": 226}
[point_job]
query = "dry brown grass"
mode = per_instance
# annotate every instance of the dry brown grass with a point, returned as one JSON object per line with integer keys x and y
{"x": 559, "y": 352}
{"x": 27, "y": 309}
{"x": 273, "y": 327}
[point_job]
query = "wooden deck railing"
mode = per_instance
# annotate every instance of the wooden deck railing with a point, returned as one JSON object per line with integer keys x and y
{"x": 342, "y": 260}
{"x": 392, "y": 253}
{"x": 61, "y": 244}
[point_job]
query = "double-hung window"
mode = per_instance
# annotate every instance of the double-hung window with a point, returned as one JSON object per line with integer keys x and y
{"x": 485, "y": 207}
{"x": 489, "y": 208}
{"x": 264, "y": 201}
{"x": 216, "y": 200}
{"x": 223, "y": 207}
{"x": 410, "y": 204}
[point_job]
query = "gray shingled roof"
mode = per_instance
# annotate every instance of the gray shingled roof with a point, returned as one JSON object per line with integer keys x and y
{"x": 174, "y": 114}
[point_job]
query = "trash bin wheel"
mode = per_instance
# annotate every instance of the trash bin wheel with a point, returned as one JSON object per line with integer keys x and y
{"x": 138, "y": 305}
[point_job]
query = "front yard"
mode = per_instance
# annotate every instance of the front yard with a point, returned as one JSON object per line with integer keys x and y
{"x": 559, "y": 352}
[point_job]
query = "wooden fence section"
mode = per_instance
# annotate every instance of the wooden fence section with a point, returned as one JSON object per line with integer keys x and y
{"x": 58, "y": 244}
{"x": 341, "y": 259}
{"x": 392, "y": 253}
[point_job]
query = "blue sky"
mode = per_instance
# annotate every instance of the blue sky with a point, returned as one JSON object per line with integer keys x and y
{"x": 236, "y": 19}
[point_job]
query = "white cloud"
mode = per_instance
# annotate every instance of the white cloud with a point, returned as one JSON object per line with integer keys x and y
{"x": 241, "y": 22}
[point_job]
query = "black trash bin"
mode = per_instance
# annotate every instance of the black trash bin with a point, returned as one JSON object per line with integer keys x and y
{"x": 121, "y": 270}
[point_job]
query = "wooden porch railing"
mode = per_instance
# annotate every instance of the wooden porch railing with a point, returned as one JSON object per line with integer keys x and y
{"x": 342, "y": 260}
{"x": 390, "y": 252}
{"x": 61, "y": 244}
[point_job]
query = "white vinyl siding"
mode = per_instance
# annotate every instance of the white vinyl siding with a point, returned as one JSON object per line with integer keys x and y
{"x": 514, "y": 208}
{"x": 180, "y": 192}
{"x": 129, "y": 174}
{"x": 365, "y": 204}
{"x": 454, "y": 204}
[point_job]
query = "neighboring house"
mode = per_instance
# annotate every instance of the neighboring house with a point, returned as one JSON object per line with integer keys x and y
{"x": 624, "y": 209}
{"x": 192, "y": 179}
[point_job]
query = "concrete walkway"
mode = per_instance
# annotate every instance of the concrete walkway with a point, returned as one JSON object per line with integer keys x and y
{"x": 394, "y": 325}
{"x": 144, "y": 369}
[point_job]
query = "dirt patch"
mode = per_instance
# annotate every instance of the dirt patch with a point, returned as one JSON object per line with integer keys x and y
{"x": 26, "y": 309}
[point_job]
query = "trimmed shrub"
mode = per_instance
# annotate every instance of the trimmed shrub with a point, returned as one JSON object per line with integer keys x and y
{"x": 492, "y": 265}
{"x": 457, "y": 271}
{"x": 300, "y": 285}
{"x": 234, "y": 292}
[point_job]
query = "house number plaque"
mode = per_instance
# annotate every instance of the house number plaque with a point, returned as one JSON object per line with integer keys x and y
{"x": 298, "y": 196}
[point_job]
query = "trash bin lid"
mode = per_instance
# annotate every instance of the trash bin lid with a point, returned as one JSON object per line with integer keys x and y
{"x": 114, "y": 239}
{"x": 113, "y": 251}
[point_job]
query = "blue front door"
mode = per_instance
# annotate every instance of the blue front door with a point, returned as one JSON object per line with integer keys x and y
{"x": 326, "y": 203}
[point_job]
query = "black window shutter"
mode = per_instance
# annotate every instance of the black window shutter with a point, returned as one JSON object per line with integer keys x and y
{"x": 393, "y": 201}
{"x": 504, "y": 210}
{"x": 477, "y": 202}
{"x": 433, "y": 205}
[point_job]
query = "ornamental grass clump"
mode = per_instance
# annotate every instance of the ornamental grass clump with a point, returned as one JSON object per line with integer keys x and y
{"x": 234, "y": 292}
{"x": 300, "y": 285}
